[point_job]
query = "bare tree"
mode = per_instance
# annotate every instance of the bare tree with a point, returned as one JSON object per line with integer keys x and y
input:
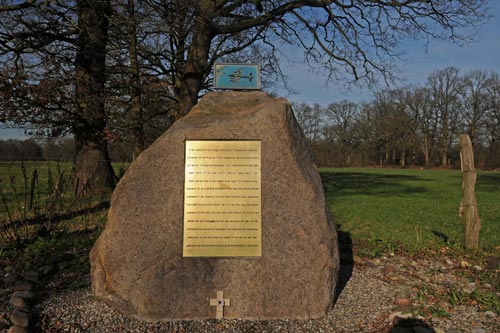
{"x": 92, "y": 161}
{"x": 348, "y": 40}
{"x": 343, "y": 117}
{"x": 421, "y": 108}
{"x": 62, "y": 46}
{"x": 391, "y": 123}
{"x": 446, "y": 86}
{"x": 475, "y": 104}
{"x": 366, "y": 136}
{"x": 493, "y": 121}
{"x": 310, "y": 119}
{"x": 56, "y": 53}
{"x": 136, "y": 104}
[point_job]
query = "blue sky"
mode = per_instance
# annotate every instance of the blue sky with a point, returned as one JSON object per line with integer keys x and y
{"x": 421, "y": 60}
{"x": 8, "y": 133}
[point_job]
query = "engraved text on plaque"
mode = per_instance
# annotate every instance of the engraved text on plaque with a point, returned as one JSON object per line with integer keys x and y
{"x": 222, "y": 199}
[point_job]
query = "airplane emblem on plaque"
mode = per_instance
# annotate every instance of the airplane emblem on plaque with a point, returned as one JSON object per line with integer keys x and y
{"x": 237, "y": 76}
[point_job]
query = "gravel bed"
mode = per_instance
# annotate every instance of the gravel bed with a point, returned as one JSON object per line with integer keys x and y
{"x": 365, "y": 304}
{"x": 357, "y": 310}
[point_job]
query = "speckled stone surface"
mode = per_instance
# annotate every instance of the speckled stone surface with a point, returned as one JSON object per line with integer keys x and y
{"x": 137, "y": 263}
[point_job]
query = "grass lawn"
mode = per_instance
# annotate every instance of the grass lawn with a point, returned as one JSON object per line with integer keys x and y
{"x": 409, "y": 207}
{"x": 381, "y": 208}
{"x": 48, "y": 206}
{"x": 12, "y": 177}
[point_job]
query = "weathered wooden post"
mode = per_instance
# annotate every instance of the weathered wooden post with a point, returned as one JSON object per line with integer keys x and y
{"x": 468, "y": 208}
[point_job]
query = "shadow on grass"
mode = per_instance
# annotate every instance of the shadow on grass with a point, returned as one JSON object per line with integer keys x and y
{"x": 369, "y": 184}
{"x": 488, "y": 182}
{"x": 41, "y": 219}
{"x": 441, "y": 235}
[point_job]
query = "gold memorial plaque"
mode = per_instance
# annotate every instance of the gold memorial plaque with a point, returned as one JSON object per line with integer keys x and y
{"x": 222, "y": 199}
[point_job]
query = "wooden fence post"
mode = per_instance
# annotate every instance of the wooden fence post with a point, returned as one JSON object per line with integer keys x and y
{"x": 468, "y": 208}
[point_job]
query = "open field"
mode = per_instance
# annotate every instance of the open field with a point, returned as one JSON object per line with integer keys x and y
{"x": 409, "y": 207}
{"x": 16, "y": 177}
{"x": 39, "y": 204}
{"x": 8, "y": 169}
{"x": 383, "y": 207}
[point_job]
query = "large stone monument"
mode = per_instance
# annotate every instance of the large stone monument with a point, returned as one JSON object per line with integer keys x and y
{"x": 150, "y": 259}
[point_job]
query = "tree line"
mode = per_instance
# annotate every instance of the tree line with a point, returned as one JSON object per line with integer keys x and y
{"x": 58, "y": 150}
{"x": 109, "y": 71}
{"x": 410, "y": 125}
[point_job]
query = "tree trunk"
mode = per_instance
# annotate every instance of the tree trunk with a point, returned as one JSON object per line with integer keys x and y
{"x": 196, "y": 66}
{"x": 413, "y": 157}
{"x": 403, "y": 157}
{"x": 468, "y": 208}
{"x": 444, "y": 158}
{"x": 92, "y": 163}
{"x": 426, "y": 151}
{"x": 135, "y": 101}
{"x": 444, "y": 143}
{"x": 386, "y": 152}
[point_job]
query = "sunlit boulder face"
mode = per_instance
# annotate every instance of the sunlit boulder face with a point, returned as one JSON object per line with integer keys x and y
{"x": 137, "y": 263}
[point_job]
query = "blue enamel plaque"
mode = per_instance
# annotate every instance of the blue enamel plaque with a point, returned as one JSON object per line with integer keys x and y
{"x": 237, "y": 76}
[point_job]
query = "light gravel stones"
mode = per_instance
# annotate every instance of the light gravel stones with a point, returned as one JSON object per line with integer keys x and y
{"x": 365, "y": 304}
{"x": 478, "y": 330}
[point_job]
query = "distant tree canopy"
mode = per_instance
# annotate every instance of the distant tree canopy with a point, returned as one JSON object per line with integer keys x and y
{"x": 411, "y": 125}
{"x": 124, "y": 70}
{"x": 19, "y": 150}
{"x": 54, "y": 150}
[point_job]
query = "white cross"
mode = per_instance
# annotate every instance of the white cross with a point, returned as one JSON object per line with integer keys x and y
{"x": 220, "y": 302}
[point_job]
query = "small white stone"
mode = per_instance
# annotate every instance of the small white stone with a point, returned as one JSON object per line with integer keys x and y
{"x": 490, "y": 314}
{"x": 478, "y": 330}
{"x": 465, "y": 264}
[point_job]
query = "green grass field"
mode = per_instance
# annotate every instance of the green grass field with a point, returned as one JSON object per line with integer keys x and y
{"x": 382, "y": 207}
{"x": 409, "y": 207}
{"x": 11, "y": 173}
{"x": 39, "y": 198}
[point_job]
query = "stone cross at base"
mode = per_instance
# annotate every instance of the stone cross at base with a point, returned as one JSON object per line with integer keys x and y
{"x": 220, "y": 302}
